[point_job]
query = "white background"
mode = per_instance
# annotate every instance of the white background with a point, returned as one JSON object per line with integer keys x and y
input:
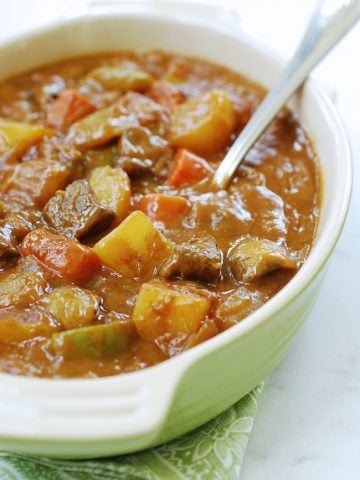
{"x": 308, "y": 423}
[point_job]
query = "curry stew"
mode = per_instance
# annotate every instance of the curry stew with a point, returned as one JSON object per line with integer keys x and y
{"x": 115, "y": 251}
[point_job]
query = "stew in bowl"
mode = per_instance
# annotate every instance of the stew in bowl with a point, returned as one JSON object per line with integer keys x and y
{"x": 116, "y": 251}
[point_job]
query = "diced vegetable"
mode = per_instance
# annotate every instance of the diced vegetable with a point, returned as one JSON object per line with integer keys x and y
{"x": 100, "y": 127}
{"x": 22, "y": 285}
{"x": 132, "y": 110}
{"x": 237, "y": 306}
{"x": 16, "y": 138}
{"x": 135, "y": 247}
{"x": 72, "y": 306}
{"x": 104, "y": 340}
{"x": 164, "y": 208}
{"x": 123, "y": 79}
{"x": 69, "y": 107}
{"x": 66, "y": 257}
{"x": 203, "y": 124}
{"x": 75, "y": 212}
{"x": 112, "y": 190}
{"x": 36, "y": 181}
{"x": 188, "y": 168}
{"x": 17, "y": 325}
{"x": 252, "y": 258}
{"x": 166, "y": 93}
{"x": 162, "y": 309}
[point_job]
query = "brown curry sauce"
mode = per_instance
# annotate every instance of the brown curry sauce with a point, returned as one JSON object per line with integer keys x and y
{"x": 274, "y": 196}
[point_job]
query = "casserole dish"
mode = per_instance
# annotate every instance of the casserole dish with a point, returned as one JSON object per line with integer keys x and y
{"x": 107, "y": 416}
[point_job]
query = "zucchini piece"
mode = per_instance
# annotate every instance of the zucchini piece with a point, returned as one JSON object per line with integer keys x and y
{"x": 18, "y": 325}
{"x": 97, "y": 341}
{"x": 72, "y": 306}
{"x": 22, "y": 285}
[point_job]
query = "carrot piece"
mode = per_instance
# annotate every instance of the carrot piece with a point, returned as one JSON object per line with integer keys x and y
{"x": 69, "y": 107}
{"x": 162, "y": 208}
{"x": 36, "y": 181}
{"x": 188, "y": 168}
{"x": 66, "y": 257}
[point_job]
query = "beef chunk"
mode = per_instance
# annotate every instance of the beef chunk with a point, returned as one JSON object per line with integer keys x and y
{"x": 142, "y": 153}
{"x": 196, "y": 258}
{"x": 16, "y": 222}
{"x": 12, "y": 230}
{"x": 166, "y": 94}
{"x": 54, "y": 148}
{"x": 75, "y": 213}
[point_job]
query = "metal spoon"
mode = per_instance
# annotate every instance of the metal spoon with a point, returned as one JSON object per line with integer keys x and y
{"x": 329, "y": 23}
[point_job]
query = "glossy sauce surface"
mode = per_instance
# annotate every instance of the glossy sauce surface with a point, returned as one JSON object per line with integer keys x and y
{"x": 273, "y": 197}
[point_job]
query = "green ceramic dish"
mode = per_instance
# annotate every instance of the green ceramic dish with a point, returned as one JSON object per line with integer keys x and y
{"x": 106, "y": 416}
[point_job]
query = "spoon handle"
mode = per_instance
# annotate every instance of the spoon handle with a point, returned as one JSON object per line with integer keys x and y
{"x": 328, "y": 24}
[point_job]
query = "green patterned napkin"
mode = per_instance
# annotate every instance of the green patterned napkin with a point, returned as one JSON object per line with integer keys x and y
{"x": 214, "y": 451}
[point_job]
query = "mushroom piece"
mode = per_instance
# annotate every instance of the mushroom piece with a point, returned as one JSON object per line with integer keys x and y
{"x": 252, "y": 258}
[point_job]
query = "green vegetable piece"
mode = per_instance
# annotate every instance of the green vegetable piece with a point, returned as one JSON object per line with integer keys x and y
{"x": 105, "y": 340}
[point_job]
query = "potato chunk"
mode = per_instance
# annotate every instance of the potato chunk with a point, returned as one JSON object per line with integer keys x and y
{"x": 203, "y": 124}
{"x": 97, "y": 341}
{"x": 161, "y": 309}
{"x": 112, "y": 190}
{"x": 22, "y": 285}
{"x": 132, "y": 110}
{"x": 17, "y": 325}
{"x": 135, "y": 248}
{"x": 36, "y": 181}
{"x": 16, "y": 138}
{"x": 72, "y": 306}
{"x": 253, "y": 258}
{"x": 123, "y": 79}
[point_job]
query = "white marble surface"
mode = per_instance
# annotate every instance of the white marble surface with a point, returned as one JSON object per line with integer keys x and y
{"x": 308, "y": 424}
